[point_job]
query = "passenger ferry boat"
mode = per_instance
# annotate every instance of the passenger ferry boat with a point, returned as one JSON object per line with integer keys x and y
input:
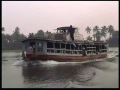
{"x": 62, "y": 48}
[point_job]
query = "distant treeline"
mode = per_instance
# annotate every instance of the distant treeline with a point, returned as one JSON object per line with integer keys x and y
{"x": 114, "y": 41}
{"x": 101, "y": 33}
{"x": 13, "y": 41}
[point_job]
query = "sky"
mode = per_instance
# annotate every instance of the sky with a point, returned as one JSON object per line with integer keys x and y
{"x": 31, "y": 16}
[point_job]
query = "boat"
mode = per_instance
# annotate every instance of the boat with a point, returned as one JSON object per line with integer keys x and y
{"x": 63, "y": 48}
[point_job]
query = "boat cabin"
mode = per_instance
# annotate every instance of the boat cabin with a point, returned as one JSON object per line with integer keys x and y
{"x": 58, "y": 47}
{"x": 63, "y": 33}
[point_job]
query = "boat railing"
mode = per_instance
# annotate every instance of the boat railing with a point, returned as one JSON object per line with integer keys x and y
{"x": 65, "y": 51}
{"x": 62, "y": 49}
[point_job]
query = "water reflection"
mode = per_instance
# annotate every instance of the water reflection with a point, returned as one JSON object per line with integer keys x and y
{"x": 59, "y": 73}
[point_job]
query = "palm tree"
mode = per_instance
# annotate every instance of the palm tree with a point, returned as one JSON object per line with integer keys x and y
{"x": 95, "y": 29}
{"x": 88, "y": 30}
{"x": 104, "y": 32}
{"x": 97, "y": 33}
{"x": 110, "y": 30}
{"x": 94, "y": 36}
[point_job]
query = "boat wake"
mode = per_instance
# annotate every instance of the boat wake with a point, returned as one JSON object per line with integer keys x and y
{"x": 52, "y": 62}
{"x": 25, "y": 63}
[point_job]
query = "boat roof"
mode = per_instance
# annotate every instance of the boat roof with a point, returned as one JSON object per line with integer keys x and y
{"x": 52, "y": 40}
{"x": 65, "y": 28}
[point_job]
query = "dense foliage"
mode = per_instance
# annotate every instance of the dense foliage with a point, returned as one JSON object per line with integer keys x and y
{"x": 13, "y": 41}
{"x": 101, "y": 34}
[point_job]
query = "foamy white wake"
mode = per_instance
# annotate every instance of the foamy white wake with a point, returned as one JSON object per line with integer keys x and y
{"x": 52, "y": 62}
{"x": 18, "y": 63}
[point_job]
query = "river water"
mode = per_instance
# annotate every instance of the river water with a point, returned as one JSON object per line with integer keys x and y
{"x": 17, "y": 73}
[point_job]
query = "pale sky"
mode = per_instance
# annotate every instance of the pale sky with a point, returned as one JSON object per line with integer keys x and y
{"x": 31, "y": 16}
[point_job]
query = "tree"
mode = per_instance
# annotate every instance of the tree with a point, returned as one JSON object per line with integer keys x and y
{"x": 95, "y": 29}
{"x": 88, "y": 30}
{"x": 94, "y": 36}
{"x": 4, "y": 41}
{"x": 104, "y": 32}
{"x": 97, "y": 33}
{"x": 40, "y": 33}
{"x": 110, "y": 30}
{"x": 16, "y": 38}
{"x": 16, "y": 34}
{"x": 114, "y": 41}
{"x": 22, "y": 36}
{"x": 31, "y": 35}
{"x": 98, "y": 36}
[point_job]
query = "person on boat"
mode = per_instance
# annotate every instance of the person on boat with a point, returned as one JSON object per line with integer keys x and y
{"x": 23, "y": 55}
{"x": 30, "y": 49}
{"x": 84, "y": 52}
{"x": 97, "y": 50}
{"x": 33, "y": 48}
{"x": 40, "y": 47}
{"x": 71, "y": 31}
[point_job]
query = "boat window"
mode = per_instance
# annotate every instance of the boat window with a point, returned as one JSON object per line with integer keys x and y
{"x": 103, "y": 47}
{"x": 50, "y": 50}
{"x": 100, "y": 46}
{"x": 68, "y": 52}
{"x": 88, "y": 46}
{"x": 97, "y": 48}
{"x": 77, "y": 47}
{"x": 67, "y": 46}
{"x": 94, "y": 46}
{"x": 32, "y": 43}
{"x": 88, "y": 52}
{"x": 58, "y": 51}
{"x": 74, "y": 52}
{"x": 72, "y": 47}
{"x": 57, "y": 45}
{"x": 80, "y": 52}
{"x": 40, "y": 46}
{"x": 50, "y": 45}
{"x": 84, "y": 46}
{"x": 62, "y": 45}
{"x": 80, "y": 47}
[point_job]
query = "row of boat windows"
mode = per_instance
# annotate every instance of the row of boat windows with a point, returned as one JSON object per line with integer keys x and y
{"x": 74, "y": 47}
{"x": 72, "y": 52}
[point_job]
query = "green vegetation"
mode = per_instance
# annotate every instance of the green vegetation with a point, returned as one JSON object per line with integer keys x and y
{"x": 113, "y": 41}
{"x": 101, "y": 33}
{"x": 13, "y": 41}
